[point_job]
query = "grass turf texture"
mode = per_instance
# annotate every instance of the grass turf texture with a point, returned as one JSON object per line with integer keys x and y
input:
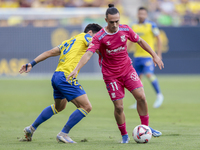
{"x": 178, "y": 117}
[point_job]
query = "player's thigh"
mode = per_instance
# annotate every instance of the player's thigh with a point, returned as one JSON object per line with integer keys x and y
{"x": 138, "y": 65}
{"x": 73, "y": 91}
{"x": 66, "y": 89}
{"x": 118, "y": 104}
{"x": 131, "y": 80}
{"x": 115, "y": 88}
{"x": 69, "y": 89}
{"x": 55, "y": 81}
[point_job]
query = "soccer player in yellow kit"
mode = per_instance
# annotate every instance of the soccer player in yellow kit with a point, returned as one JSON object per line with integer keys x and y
{"x": 70, "y": 52}
{"x": 142, "y": 61}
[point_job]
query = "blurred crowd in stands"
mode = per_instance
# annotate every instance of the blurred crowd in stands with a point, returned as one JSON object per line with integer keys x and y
{"x": 49, "y": 22}
{"x": 174, "y": 12}
{"x": 163, "y": 12}
{"x": 54, "y": 3}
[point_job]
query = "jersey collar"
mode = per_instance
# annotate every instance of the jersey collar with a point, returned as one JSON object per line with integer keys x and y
{"x": 111, "y": 33}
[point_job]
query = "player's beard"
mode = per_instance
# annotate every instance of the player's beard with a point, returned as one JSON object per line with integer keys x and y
{"x": 114, "y": 29}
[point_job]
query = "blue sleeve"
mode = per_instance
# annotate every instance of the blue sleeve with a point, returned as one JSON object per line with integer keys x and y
{"x": 155, "y": 29}
{"x": 154, "y": 25}
{"x": 88, "y": 39}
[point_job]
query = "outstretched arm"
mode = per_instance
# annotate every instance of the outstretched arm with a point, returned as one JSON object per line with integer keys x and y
{"x": 27, "y": 67}
{"x": 146, "y": 47}
{"x": 85, "y": 58}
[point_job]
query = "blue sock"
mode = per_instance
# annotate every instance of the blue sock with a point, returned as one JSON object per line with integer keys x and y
{"x": 74, "y": 118}
{"x": 155, "y": 84}
{"x": 47, "y": 113}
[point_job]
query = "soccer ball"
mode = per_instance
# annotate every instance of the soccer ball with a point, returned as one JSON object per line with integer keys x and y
{"x": 142, "y": 134}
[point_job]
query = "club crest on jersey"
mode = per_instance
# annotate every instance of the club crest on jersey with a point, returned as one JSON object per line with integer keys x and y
{"x": 91, "y": 44}
{"x": 123, "y": 39}
{"x": 134, "y": 76}
{"x": 108, "y": 43}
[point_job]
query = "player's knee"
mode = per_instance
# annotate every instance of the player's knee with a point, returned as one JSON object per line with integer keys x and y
{"x": 87, "y": 107}
{"x": 60, "y": 108}
{"x": 60, "y": 104}
{"x": 119, "y": 109}
{"x": 151, "y": 77}
{"x": 141, "y": 98}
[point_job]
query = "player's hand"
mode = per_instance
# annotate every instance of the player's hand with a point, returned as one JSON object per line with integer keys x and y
{"x": 72, "y": 74}
{"x": 158, "y": 61}
{"x": 25, "y": 68}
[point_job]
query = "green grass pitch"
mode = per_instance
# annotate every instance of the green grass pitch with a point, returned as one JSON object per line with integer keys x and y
{"x": 22, "y": 100}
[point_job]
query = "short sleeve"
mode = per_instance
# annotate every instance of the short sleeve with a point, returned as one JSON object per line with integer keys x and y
{"x": 94, "y": 45}
{"x": 134, "y": 37}
{"x": 62, "y": 45}
{"x": 88, "y": 39}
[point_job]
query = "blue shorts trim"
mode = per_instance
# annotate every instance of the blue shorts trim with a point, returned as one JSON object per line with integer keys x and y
{"x": 143, "y": 65}
{"x": 65, "y": 89}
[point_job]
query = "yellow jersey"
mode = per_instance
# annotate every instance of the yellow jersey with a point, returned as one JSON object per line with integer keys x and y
{"x": 146, "y": 31}
{"x": 71, "y": 52}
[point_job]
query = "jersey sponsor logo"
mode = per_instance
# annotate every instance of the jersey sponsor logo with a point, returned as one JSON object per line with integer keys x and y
{"x": 123, "y": 39}
{"x": 121, "y": 48}
{"x": 113, "y": 95}
{"x": 108, "y": 43}
{"x": 91, "y": 44}
{"x": 134, "y": 76}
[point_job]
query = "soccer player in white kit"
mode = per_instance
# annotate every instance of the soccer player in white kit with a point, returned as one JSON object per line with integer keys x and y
{"x": 116, "y": 66}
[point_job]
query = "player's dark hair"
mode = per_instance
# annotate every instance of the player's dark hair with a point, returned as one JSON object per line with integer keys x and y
{"x": 142, "y": 8}
{"x": 92, "y": 26}
{"x": 111, "y": 10}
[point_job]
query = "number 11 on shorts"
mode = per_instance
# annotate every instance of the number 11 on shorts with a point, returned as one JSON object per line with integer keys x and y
{"x": 114, "y": 86}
